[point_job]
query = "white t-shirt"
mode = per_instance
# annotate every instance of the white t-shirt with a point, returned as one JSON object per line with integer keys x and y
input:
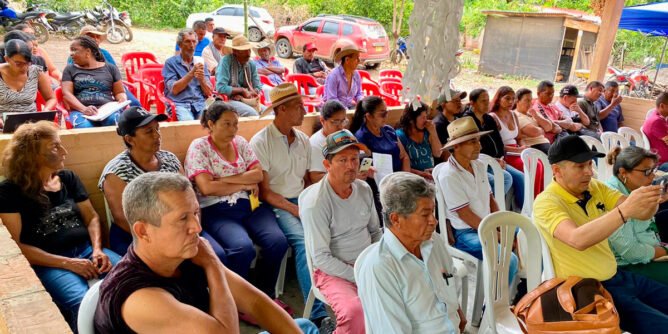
{"x": 567, "y": 113}
{"x": 285, "y": 164}
{"x": 461, "y": 189}
{"x": 317, "y": 142}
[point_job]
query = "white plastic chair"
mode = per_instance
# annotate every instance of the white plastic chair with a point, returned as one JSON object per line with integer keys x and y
{"x": 610, "y": 140}
{"x": 497, "y": 171}
{"x": 632, "y": 135}
{"x": 461, "y": 257}
{"x": 87, "y": 309}
{"x": 603, "y": 169}
{"x": 496, "y": 267}
{"x": 314, "y": 293}
{"x": 645, "y": 140}
{"x": 530, "y": 158}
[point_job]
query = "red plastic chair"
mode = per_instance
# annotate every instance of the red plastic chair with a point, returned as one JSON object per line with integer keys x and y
{"x": 148, "y": 80}
{"x": 366, "y": 76}
{"x": 389, "y": 79}
{"x": 320, "y": 91}
{"x": 303, "y": 82}
{"x": 391, "y": 73}
{"x": 63, "y": 108}
{"x": 370, "y": 89}
{"x": 392, "y": 88}
{"x": 266, "y": 81}
{"x": 161, "y": 107}
{"x": 133, "y": 62}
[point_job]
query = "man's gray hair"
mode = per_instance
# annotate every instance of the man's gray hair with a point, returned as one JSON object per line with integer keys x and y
{"x": 141, "y": 199}
{"x": 182, "y": 34}
{"x": 399, "y": 192}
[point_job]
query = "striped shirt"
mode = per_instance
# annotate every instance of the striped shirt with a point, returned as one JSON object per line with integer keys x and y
{"x": 126, "y": 169}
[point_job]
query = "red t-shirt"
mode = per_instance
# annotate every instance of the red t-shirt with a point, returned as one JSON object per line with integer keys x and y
{"x": 656, "y": 128}
{"x": 549, "y": 111}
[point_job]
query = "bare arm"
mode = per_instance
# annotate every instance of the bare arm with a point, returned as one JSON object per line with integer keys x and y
{"x": 469, "y": 217}
{"x": 405, "y": 159}
{"x": 275, "y": 199}
{"x": 316, "y": 176}
{"x": 119, "y": 91}
{"x": 113, "y": 188}
{"x": 44, "y": 86}
{"x": 181, "y": 84}
{"x": 68, "y": 95}
{"x": 92, "y": 221}
{"x": 434, "y": 142}
{"x": 616, "y": 100}
{"x": 531, "y": 130}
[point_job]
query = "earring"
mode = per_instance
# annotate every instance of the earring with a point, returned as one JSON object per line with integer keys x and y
{"x": 624, "y": 181}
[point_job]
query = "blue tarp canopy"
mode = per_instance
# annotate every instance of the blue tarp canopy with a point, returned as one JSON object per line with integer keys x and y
{"x": 651, "y": 19}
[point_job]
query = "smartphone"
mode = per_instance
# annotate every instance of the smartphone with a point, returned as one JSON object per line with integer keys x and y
{"x": 664, "y": 187}
{"x": 365, "y": 164}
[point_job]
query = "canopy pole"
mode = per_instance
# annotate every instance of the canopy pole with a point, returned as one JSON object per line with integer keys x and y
{"x": 658, "y": 66}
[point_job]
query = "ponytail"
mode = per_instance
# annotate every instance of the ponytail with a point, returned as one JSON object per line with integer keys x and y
{"x": 367, "y": 105}
{"x": 90, "y": 44}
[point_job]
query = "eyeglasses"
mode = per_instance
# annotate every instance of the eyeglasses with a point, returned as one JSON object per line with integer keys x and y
{"x": 338, "y": 122}
{"x": 648, "y": 171}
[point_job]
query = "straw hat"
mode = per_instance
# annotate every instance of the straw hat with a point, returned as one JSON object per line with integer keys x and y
{"x": 461, "y": 130}
{"x": 345, "y": 51}
{"x": 239, "y": 42}
{"x": 88, "y": 29}
{"x": 281, "y": 94}
{"x": 265, "y": 44}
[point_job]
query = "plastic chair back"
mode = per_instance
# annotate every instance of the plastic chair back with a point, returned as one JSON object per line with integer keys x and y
{"x": 266, "y": 81}
{"x": 530, "y": 157}
{"x": 39, "y": 101}
{"x": 87, "y": 309}
{"x": 499, "y": 194}
{"x": 148, "y": 79}
{"x": 162, "y": 107}
{"x": 314, "y": 293}
{"x": 133, "y": 61}
{"x": 389, "y": 79}
{"x": 632, "y": 135}
{"x": 523, "y": 252}
{"x": 611, "y": 140}
{"x": 392, "y": 88}
{"x": 603, "y": 170}
{"x": 370, "y": 89}
{"x": 366, "y": 76}
{"x": 496, "y": 266}
{"x": 391, "y": 73}
{"x": 645, "y": 140}
{"x": 303, "y": 81}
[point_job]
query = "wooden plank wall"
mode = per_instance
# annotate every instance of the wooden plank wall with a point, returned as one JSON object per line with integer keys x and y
{"x": 635, "y": 110}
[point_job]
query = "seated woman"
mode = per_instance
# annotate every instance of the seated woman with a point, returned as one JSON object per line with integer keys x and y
{"x": 140, "y": 131}
{"x": 20, "y": 81}
{"x": 370, "y": 127}
{"x": 418, "y": 136}
{"x": 344, "y": 84}
{"x": 501, "y": 110}
{"x": 48, "y": 213}
{"x": 226, "y": 173}
{"x": 492, "y": 144}
{"x": 532, "y": 124}
{"x": 90, "y": 83}
{"x": 636, "y": 244}
{"x": 332, "y": 118}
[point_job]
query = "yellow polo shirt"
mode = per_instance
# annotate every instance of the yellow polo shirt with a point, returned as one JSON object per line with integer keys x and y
{"x": 555, "y": 205}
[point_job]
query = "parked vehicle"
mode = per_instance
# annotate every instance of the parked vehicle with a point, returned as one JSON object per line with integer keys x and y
{"x": 33, "y": 16}
{"x": 107, "y": 18}
{"x": 231, "y": 17}
{"x": 330, "y": 32}
{"x": 634, "y": 82}
{"x": 400, "y": 52}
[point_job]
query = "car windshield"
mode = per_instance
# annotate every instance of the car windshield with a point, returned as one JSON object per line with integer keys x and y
{"x": 374, "y": 30}
{"x": 255, "y": 13}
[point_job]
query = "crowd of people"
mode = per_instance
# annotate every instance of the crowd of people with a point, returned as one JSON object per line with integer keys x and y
{"x": 184, "y": 234}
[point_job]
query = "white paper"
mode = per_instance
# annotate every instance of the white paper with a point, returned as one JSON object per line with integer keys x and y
{"x": 383, "y": 165}
{"x": 661, "y": 259}
{"x": 106, "y": 110}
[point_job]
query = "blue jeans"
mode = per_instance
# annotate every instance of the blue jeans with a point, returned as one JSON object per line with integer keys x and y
{"x": 306, "y": 326}
{"x": 642, "y": 303}
{"x": 79, "y": 121}
{"x": 134, "y": 102}
{"x": 243, "y": 109}
{"x": 236, "y": 227}
{"x": 664, "y": 167}
{"x": 68, "y": 288}
{"x": 188, "y": 111}
{"x": 468, "y": 241}
{"x": 294, "y": 231}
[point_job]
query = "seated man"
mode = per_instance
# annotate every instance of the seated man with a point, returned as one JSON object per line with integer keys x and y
{"x": 170, "y": 279}
{"x": 199, "y": 27}
{"x": 656, "y": 129}
{"x": 588, "y": 104}
{"x": 574, "y": 120}
{"x": 216, "y": 50}
{"x": 405, "y": 280}
{"x": 576, "y": 214}
{"x": 187, "y": 81}
{"x": 610, "y": 109}
{"x": 548, "y": 110}
{"x": 267, "y": 65}
{"x": 285, "y": 156}
{"x": 334, "y": 237}
{"x": 237, "y": 78}
{"x": 464, "y": 180}
{"x": 447, "y": 111}
{"x": 309, "y": 64}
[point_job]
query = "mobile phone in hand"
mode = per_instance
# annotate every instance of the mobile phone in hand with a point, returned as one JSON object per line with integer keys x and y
{"x": 365, "y": 164}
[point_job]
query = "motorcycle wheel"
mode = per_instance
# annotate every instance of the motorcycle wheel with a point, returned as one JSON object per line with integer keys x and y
{"x": 115, "y": 34}
{"x": 396, "y": 57}
{"x": 72, "y": 30}
{"x": 41, "y": 32}
{"x": 127, "y": 30}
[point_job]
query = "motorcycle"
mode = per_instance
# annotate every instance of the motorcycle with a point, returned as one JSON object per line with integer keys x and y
{"x": 116, "y": 25}
{"x": 635, "y": 82}
{"x": 67, "y": 24}
{"x": 32, "y": 16}
{"x": 399, "y": 53}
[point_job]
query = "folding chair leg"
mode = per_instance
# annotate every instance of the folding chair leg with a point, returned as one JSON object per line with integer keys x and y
{"x": 465, "y": 294}
{"x": 308, "y": 306}
{"x": 479, "y": 297}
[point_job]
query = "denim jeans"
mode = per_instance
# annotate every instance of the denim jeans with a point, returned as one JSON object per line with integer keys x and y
{"x": 641, "y": 302}
{"x": 306, "y": 326}
{"x": 294, "y": 231}
{"x": 79, "y": 121}
{"x": 236, "y": 228}
{"x": 243, "y": 109}
{"x": 511, "y": 177}
{"x": 134, "y": 102}
{"x": 68, "y": 288}
{"x": 188, "y": 111}
{"x": 468, "y": 241}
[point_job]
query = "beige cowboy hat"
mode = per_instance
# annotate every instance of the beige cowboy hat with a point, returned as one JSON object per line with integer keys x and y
{"x": 461, "y": 130}
{"x": 281, "y": 94}
{"x": 88, "y": 29}
{"x": 345, "y": 51}
{"x": 265, "y": 44}
{"x": 239, "y": 42}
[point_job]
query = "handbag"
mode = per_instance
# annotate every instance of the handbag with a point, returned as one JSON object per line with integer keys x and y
{"x": 575, "y": 304}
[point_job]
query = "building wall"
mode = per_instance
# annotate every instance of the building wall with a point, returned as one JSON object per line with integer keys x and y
{"x": 522, "y": 46}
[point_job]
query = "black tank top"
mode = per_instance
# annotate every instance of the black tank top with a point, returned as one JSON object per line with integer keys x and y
{"x": 132, "y": 274}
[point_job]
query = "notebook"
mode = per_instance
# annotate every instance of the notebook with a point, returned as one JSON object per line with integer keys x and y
{"x": 107, "y": 110}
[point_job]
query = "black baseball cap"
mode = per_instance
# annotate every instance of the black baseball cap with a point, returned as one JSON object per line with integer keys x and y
{"x": 569, "y": 90}
{"x": 136, "y": 117}
{"x": 571, "y": 148}
{"x": 220, "y": 30}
